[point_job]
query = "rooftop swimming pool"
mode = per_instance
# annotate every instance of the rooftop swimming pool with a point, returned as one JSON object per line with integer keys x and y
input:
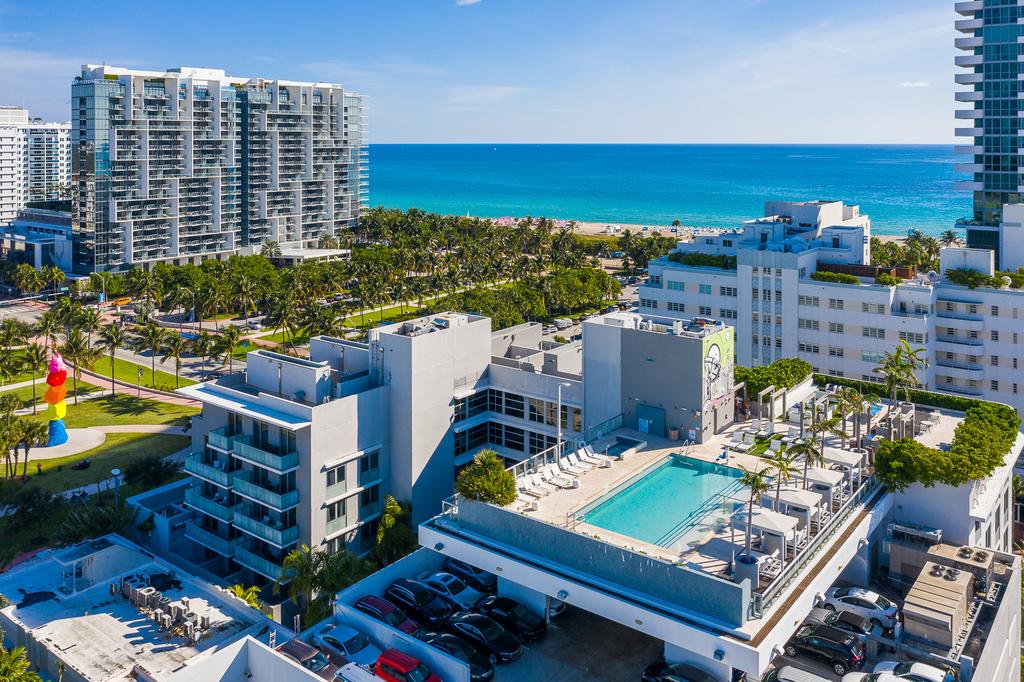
{"x": 670, "y": 504}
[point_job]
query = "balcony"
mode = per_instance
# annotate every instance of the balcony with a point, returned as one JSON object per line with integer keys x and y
{"x": 368, "y": 510}
{"x": 973, "y": 391}
{"x": 279, "y": 500}
{"x": 968, "y": 78}
{"x": 214, "y": 507}
{"x": 336, "y": 490}
{"x": 336, "y": 525}
{"x": 195, "y": 465}
{"x": 968, "y": 96}
{"x": 969, "y": 114}
{"x": 968, "y": 186}
{"x": 955, "y": 315}
{"x": 968, "y": 25}
{"x": 368, "y": 477}
{"x": 264, "y": 458}
{"x": 958, "y": 341}
{"x": 968, "y": 149}
{"x": 258, "y": 564}
{"x": 207, "y": 539}
{"x": 967, "y": 9}
{"x": 265, "y": 530}
{"x": 222, "y": 438}
{"x": 968, "y": 42}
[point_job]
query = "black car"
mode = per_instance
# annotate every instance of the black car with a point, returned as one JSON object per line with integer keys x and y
{"x": 478, "y": 579}
{"x": 842, "y": 650}
{"x": 514, "y": 617}
{"x": 421, "y": 602}
{"x": 478, "y": 629}
{"x": 841, "y": 620}
{"x": 480, "y": 667}
{"x": 680, "y": 672}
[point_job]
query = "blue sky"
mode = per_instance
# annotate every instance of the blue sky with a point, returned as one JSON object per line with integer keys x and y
{"x": 786, "y": 71}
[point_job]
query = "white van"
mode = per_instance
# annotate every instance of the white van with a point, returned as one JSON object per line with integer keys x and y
{"x": 562, "y": 323}
{"x": 350, "y": 672}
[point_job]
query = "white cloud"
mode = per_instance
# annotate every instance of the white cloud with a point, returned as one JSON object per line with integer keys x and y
{"x": 914, "y": 84}
{"x": 463, "y": 3}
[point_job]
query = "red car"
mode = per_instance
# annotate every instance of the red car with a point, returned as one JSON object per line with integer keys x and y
{"x": 395, "y": 666}
{"x": 388, "y": 613}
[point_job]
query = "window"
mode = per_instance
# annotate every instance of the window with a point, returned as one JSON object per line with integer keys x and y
{"x": 995, "y": 335}
{"x": 872, "y": 356}
{"x": 1015, "y": 363}
{"x": 727, "y": 314}
{"x": 369, "y": 464}
{"x": 835, "y": 351}
{"x": 755, "y": 293}
{"x": 538, "y": 411}
{"x": 836, "y": 373}
{"x": 809, "y": 300}
{"x": 836, "y": 304}
{"x": 572, "y": 418}
{"x": 705, "y": 310}
{"x": 835, "y": 327}
{"x": 727, "y": 242}
{"x": 540, "y": 441}
{"x": 648, "y": 303}
{"x": 471, "y": 406}
{"x": 727, "y": 291}
{"x": 369, "y": 496}
{"x": 972, "y": 308}
{"x": 804, "y": 323}
{"x": 778, "y": 342}
{"x": 913, "y": 337}
{"x": 675, "y": 307}
{"x": 874, "y": 379}
{"x": 995, "y": 360}
{"x": 514, "y": 405}
{"x": 705, "y": 288}
{"x": 336, "y": 475}
{"x": 778, "y": 296}
{"x": 876, "y": 308}
{"x": 874, "y": 332}
{"x": 766, "y": 294}
{"x": 675, "y": 286}
{"x": 335, "y": 510}
{"x": 994, "y": 385}
{"x": 808, "y": 347}
{"x": 995, "y": 311}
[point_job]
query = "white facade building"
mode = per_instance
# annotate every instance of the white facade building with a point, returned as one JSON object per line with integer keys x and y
{"x": 35, "y": 160}
{"x": 973, "y": 337}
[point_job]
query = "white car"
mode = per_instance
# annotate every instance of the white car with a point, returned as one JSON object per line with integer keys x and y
{"x": 915, "y": 672}
{"x": 789, "y": 673}
{"x": 348, "y": 643}
{"x": 871, "y": 605}
{"x": 870, "y": 677}
{"x": 452, "y": 587}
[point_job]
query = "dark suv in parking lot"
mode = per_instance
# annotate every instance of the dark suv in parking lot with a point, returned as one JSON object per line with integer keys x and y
{"x": 419, "y": 601}
{"x": 842, "y": 650}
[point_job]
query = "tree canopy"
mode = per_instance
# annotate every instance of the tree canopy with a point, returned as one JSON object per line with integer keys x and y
{"x": 487, "y": 480}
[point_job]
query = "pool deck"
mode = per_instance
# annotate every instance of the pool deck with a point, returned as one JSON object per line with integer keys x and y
{"x": 557, "y": 507}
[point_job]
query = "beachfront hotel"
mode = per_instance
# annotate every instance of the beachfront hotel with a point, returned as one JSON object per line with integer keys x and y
{"x": 768, "y": 291}
{"x": 990, "y": 33}
{"x": 186, "y": 164}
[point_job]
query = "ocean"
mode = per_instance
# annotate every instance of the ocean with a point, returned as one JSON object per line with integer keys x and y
{"x": 901, "y": 187}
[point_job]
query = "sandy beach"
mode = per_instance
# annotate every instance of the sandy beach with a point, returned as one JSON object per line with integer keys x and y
{"x": 682, "y": 231}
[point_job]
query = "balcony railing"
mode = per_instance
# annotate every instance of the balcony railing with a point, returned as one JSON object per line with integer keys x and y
{"x": 337, "y": 524}
{"x": 367, "y": 477}
{"x": 265, "y": 531}
{"x": 961, "y": 340}
{"x": 257, "y": 563}
{"x": 222, "y": 438}
{"x": 339, "y": 488}
{"x": 370, "y": 509}
{"x": 280, "y": 463}
{"x": 282, "y": 501}
{"x": 195, "y": 465}
{"x": 195, "y": 499}
{"x": 208, "y": 539}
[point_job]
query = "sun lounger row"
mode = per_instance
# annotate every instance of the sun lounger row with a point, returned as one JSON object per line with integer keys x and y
{"x": 563, "y": 474}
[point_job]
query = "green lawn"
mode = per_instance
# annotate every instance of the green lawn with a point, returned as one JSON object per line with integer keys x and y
{"x": 128, "y": 372}
{"x": 23, "y": 374}
{"x": 124, "y": 409}
{"x": 25, "y": 393}
{"x": 115, "y": 452}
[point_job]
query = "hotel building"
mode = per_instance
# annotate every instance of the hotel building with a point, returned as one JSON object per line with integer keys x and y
{"x": 35, "y": 161}
{"x": 187, "y": 164}
{"x": 991, "y": 71}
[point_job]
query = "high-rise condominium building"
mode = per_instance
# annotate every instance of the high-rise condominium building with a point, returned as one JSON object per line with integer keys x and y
{"x": 188, "y": 164}
{"x": 990, "y": 43}
{"x": 35, "y": 161}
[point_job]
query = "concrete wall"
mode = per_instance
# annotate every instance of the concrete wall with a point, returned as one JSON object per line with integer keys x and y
{"x": 1000, "y": 659}
{"x": 602, "y": 350}
{"x": 312, "y": 380}
{"x": 662, "y": 371}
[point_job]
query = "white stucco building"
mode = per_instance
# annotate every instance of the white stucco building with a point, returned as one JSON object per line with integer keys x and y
{"x": 35, "y": 160}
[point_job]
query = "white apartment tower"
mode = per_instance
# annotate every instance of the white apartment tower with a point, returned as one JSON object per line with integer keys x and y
{"x": 35, "y": 160}
{"x": 186, "y": 164}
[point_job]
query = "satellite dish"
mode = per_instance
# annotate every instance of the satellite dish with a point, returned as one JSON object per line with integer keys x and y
{"x": 1006, "y": 281}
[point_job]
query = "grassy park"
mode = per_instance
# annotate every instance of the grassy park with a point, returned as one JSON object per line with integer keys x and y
{"x": 128, "y": 372}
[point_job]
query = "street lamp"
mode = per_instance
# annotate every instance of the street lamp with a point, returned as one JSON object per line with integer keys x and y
{"x": 138, "y": 384}
{"x": 558, "y": 414}
{"x": 117, "y": 485}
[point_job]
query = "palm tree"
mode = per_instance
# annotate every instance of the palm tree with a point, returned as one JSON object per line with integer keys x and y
{"x": 112, "y": 339}
{"x": 27, "y": 278}
{"x": 949, "y": 238}
{"x": 270, "y": 249}
{"x": 15, "y": 666}
{"x": 782, "y": 463}
{"x": 174, "y": 347}
{"x": 202, "y": 345}
{"x": 899, "y": 370}
{"x": 80, "y": 354}
{"x": 226, "y": 344}
{"x": 10, "y": 365}
{"x": 807, "y": 449}
{"x": 48, "y": 326}
{"x": 89, "y": 322}
{"x": 35, "y": 359}
{"x": 152, "y": 339}
{"x": 250, "y": 595}
{"x": 33, "y": 432}
{"x": 757, "y": 483}
{"x": 245, "y": 295}
{"x": 301, "y": 567}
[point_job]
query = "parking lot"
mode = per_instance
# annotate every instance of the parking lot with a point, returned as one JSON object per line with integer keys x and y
{"x": 582, "y": 646}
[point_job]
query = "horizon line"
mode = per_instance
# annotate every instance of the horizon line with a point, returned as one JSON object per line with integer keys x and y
{"x": 681, "y": 144}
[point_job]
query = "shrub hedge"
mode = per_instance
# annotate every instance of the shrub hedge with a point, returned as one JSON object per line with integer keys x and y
{"x": 784, "y": 373}
{"x": 973, "y": 279}
{"x": 888, "y": 280}
{"x": 835, "y": 277}
{"x": 705, "y": 260}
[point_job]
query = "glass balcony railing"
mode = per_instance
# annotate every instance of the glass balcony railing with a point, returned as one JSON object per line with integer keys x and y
{"x": 222, "y": 438}
{"x": 336, "y": 490}
{"x": 214, "y": 507}
{"x": 213, "y": 473}
{"x": 369, "y": 509}
{"x": 265, "y": 529}
{"x": 337, "y": 524}
{"x": 265, "y": 458}
{"x": 257, "y": 563}
{"x": 367, "y": 477}
{"x": 208, "y": 539}
{"x": 280, "y": 500}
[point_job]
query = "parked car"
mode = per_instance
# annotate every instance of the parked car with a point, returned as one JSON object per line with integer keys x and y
{"x": 550, "y": 329}
{"x": 501, "y": 645}
{"x": 562, "y": 323}
{"x": 843, "y": 651}
{"x": 452, "y": 587}
{"x": 788, "y": 673}
{"x": 310, "y": 658}
{"x": 480, "y": 667}
{"x": 388, "y": 613}
{"x": 396, "y": 666}
{"x": 678, "y": 672}
{"x": 476, "y": 578}
{"x": 420, "y": 601}
{"x": 514, "y": 617}
{"x": 913, "y": 671}
{"x": 841, "y": 620}
{"x": 871, "y": 605}
{"x": 352, "y": 672}
{"x": 347, "y": 644}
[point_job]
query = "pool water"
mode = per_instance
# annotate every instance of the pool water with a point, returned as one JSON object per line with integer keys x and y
{"x": 668, "y": 505}
{"x": 621, "y": 445}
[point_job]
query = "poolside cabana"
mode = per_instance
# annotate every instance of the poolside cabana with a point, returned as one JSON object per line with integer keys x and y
{"x": 804, "y": 505}
{"x": 825, "y": 481}
{"x": 849, "y": 460}
{"x": 774, "y": 529}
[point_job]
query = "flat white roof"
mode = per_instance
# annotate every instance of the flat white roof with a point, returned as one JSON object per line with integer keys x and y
{"x": 236, "y": 402}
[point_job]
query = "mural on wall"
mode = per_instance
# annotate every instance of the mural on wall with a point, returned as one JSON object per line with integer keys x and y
{"x": 717, "y": 372}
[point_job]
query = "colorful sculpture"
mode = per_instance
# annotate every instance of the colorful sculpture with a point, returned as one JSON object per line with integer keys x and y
{"x": 54, "y": 398}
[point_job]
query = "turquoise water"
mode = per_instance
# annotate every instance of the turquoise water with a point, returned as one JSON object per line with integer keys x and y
{"x": 621, "y": 445}
{"x": 900, "y": 187}
{"x": 667, "y": 502}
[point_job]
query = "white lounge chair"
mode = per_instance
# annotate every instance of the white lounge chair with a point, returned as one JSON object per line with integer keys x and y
{"x": 592, "y": 456}
{"x": 527, "y": 488}
{"x": 561, "y": 467}
{"x": 575, "y": 460}
{"x": 550, "y": 475}
{"x": 537, "y": 483}
{"x": 567, "y": 465}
